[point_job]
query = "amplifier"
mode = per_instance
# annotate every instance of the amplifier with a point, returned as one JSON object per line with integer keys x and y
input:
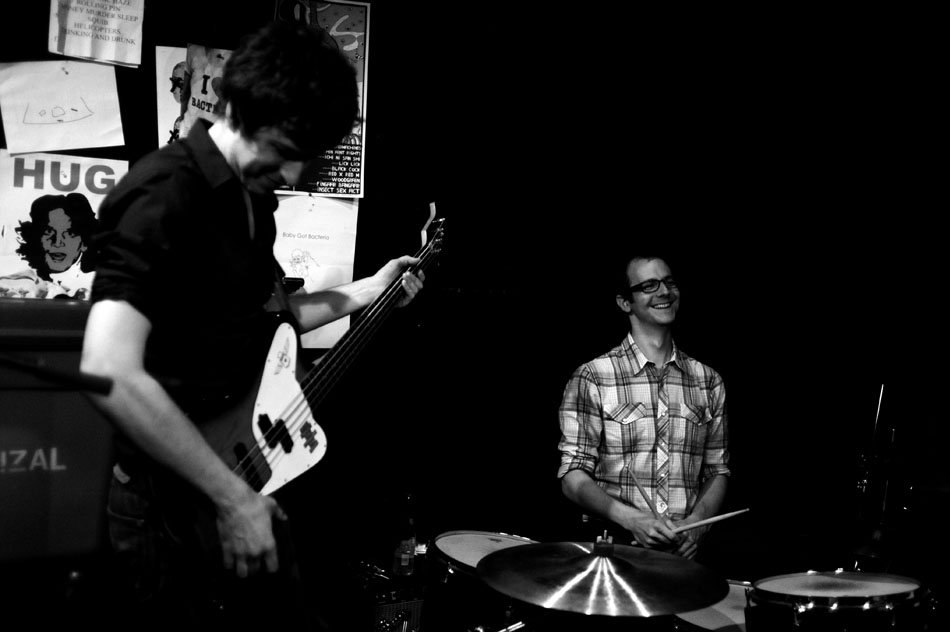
{"x": 55, "y": 462}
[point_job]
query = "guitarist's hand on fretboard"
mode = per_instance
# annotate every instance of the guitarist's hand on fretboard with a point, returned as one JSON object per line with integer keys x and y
{"x": 412, "y": 278}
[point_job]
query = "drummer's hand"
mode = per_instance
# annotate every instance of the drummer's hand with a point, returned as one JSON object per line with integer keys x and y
{"x": 690, "y": 540}
{"x": 688, "y": 546}
{"x": 654, "y": 533}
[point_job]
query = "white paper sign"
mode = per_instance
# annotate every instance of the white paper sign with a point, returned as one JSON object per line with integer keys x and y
{"x": 102, "y": 30}
{"x": 57, "y": 105}
{"x": 316, "y": 241}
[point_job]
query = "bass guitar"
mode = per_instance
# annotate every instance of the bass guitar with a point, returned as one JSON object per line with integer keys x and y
{"x": 278, "y": 439}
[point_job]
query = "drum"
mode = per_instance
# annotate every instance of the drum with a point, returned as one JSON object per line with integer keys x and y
{"x": 838, "y": 601}
{"x": 457, "y": 599}
{"x": 462, "y": 550}
{"x": 727, "y": 615}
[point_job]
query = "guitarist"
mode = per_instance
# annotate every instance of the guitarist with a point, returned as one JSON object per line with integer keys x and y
{"x": 181, "y": 352}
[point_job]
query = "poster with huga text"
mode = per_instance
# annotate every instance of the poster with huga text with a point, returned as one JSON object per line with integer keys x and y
{"x": 48, "y": 213}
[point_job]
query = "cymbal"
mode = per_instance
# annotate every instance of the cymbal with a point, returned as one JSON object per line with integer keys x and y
{"x": 601, "y": 579}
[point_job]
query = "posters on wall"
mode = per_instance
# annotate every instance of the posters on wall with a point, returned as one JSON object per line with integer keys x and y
{"x": 48, "y": 214}
{"x": 59, "y": 105}
{"x": 203, "y": 69}
{"x": 340, "y": 171}
{"x": 108, "y": 31}
{"x": 316, "y": 242}
{"x": 170, "y": 69}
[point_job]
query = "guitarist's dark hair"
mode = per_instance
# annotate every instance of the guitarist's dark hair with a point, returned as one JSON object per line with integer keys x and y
{"x": 294, "y": 78}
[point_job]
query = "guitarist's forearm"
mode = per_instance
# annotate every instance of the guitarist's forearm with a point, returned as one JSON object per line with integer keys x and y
{"x": 142, "y": 410}
{"x": 325, "y": 306}
{"x": 139, "y": 407}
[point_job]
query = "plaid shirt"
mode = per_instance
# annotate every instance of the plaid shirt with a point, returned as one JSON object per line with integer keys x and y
{"x": 608, "y": 423}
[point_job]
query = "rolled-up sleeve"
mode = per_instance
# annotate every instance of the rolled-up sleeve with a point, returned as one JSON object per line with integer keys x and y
{"x": 581, "y": 423}
{"x": 716, "y": 459}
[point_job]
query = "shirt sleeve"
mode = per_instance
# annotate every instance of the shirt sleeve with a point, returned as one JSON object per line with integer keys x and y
{"x": 581, "y": 423}
{"x": 716, "y": 460}
{"x": 134, "y": 242}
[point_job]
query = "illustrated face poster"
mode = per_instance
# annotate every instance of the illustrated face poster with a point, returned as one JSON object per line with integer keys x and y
{"x": 171, "y": 67}
{"x": 48, "y": 212}
{"x": 340, "y": 171}
{"x": 316, "y": 241}
{"x": 109, "y": 31}
{"x": 59, "y": 105}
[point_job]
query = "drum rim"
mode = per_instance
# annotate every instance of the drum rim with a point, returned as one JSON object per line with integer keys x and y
{"x": 458, "y": 565}
{"x": 475, "y": 532}
{"x": 742, "y": 589}
{"x": 759, "y": 595}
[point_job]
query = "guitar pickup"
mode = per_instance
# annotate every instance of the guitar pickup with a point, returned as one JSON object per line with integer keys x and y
{"x": 275, "y": 434}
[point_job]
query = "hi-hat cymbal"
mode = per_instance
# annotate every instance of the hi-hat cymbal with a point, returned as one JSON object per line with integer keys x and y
{"x": 601, "y": 579}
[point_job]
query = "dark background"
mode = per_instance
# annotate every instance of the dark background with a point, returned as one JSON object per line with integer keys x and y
{"x": 788, "y": 163}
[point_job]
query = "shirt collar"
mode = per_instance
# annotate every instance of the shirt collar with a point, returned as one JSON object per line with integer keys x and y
{"x": 640, "y": 360}
{"x": 208, "y": 157}
{"x": 215, "y": 167}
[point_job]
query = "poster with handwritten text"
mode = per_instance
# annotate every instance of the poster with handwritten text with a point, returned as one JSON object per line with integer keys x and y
{"x": 108, "y": 31}
{"x": 59, "y": 105}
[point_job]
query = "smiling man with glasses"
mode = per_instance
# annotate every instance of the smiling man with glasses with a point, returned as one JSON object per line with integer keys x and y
{"x": 643, "y": 427}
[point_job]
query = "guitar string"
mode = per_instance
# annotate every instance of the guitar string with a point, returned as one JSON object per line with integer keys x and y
{"x": 299, "y": 409}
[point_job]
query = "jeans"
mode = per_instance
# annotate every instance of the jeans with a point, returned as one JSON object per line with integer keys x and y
{"x": 170, "y": 576}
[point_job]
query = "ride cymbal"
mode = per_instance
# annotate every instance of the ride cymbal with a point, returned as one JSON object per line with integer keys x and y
{"x": 601, "y": 579}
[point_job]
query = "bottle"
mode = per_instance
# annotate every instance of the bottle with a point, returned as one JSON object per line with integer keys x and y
{"x": 404, "y": 556}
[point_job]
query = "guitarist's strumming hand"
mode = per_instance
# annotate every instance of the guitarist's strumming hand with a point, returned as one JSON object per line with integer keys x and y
{"x": 246, "y": 533}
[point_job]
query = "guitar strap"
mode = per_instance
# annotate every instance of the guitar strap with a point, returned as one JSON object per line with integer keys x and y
{"x": 278, "y": 300}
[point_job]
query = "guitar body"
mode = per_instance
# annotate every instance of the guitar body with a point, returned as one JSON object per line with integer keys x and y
{"x": 271, "y": 437}
{"x": 268, "y": 437}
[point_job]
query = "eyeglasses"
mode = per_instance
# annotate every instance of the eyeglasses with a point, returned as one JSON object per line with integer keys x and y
{"x": 652, "y": 285}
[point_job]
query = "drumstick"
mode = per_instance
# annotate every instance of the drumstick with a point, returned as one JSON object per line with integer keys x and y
{"x": 687, "y": 527}
{"x": 643, "y": 492}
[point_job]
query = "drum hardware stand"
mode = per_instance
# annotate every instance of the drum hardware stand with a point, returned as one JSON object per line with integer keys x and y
{"x": 872, "y": 553}
{"x": 510, "y": 628}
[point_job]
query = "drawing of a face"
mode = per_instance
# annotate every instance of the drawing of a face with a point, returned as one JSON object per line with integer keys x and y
{"x": 178, "y": 80}
{"x": 61, "y": 245}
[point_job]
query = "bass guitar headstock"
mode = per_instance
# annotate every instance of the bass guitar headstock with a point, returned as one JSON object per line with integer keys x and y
{"x": 433, "y": 233}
